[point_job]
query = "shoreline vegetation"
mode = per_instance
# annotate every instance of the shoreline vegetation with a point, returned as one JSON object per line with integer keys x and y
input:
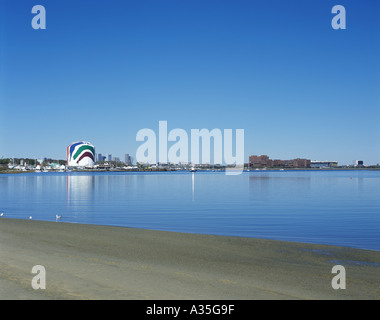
{"x": 104, "y": 262}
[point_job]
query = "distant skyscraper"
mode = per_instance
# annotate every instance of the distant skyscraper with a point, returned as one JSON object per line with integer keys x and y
{"x": 100, "y": 157}
{"x": 109, "y": 158}
{"x": 128, "y": 159}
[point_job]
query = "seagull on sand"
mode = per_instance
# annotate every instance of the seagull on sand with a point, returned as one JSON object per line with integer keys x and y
{"x": 58, "y": 217}
{"x": 1, "y": 214}
{"x": 30, "y": 217}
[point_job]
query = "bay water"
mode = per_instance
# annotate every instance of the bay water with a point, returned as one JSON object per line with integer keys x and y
{"x": 337, "y": 207}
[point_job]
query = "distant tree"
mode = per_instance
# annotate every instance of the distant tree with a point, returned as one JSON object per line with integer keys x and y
{"x": 4, "y": 161}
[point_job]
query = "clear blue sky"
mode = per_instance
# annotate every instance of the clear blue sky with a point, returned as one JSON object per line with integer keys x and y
{"x": 102, "y": 70}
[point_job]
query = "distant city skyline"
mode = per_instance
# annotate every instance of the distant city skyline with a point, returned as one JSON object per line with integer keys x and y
{"x": 253, "y": 161}
{"x": 278, "y": 70}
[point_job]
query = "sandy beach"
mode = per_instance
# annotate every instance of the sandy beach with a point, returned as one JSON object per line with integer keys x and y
{"x": 100, "y": 262}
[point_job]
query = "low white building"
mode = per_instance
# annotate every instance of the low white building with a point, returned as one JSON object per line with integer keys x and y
{"x": 323, "y": 164}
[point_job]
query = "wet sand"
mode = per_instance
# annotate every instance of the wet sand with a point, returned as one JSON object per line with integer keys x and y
{"x": 100, "y": 262}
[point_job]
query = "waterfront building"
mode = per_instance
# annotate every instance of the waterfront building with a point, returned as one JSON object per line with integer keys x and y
{"x": 359, "y": 163}
{"x": 323, "y": 164}
{"x": 260, "y": 161}
{"x": 265, "y": 161}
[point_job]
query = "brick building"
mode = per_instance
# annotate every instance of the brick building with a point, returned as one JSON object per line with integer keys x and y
{"x": 264, "y": 161}
{"x": 260, "y": 161}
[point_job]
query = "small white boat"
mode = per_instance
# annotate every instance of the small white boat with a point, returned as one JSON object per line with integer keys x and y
{"x": 192, "y": 169}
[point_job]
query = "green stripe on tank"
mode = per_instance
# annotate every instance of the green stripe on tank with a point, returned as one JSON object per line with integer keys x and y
{"x": 82, "y": 148}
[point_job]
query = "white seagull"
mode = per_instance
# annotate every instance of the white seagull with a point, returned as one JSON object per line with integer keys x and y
{"x": 30, "y": 217}
{"x": 57, "y": 217}
{"x": 1, "y": 214}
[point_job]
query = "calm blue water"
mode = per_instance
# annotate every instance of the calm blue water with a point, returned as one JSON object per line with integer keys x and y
{"x": 326, "y": 207}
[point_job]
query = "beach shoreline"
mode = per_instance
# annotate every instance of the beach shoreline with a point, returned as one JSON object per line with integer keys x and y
{"x": 103, "y": 262}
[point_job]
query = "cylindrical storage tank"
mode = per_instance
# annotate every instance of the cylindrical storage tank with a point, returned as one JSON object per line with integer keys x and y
{"x": 80, "y": 154}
